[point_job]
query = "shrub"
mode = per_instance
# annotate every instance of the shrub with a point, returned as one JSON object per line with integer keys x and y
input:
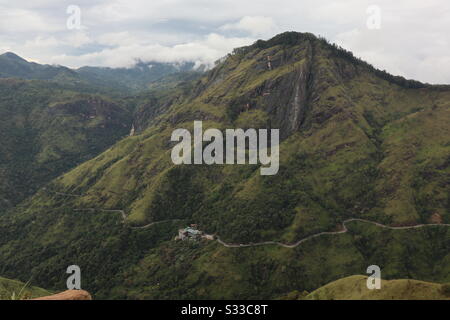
{"x": 445, "y": 289}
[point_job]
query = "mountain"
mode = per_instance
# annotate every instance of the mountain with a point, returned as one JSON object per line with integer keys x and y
{"x": 46, "y": 130}
{"x": 13, "y": 66}
{"x": 355, "y": 288}
{"x": 50, "y": 126}
{"x": 357, "y": 146}
{"x": 107, "y": 80}
{"x": 138, "y": 77}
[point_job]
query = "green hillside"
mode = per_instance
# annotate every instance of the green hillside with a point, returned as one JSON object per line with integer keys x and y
{"x": 355, "y": 288}
{"x": 356, "y": 143}
{"x": 16, "y": 290}
{"x": 46, "y": 130}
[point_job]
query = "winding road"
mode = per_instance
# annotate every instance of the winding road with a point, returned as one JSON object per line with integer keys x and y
{"x": 263, "y": 243}
{"x": 344, "y": 230}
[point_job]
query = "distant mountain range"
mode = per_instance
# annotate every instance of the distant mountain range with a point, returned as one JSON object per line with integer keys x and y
{"x": 133, "y": 79}
{"x": 13, "y": 66}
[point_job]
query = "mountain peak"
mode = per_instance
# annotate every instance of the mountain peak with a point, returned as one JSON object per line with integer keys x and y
{"x": 12, "y": 56}
{"x": 293, "y": 38}
{"x": 288, "y": 38}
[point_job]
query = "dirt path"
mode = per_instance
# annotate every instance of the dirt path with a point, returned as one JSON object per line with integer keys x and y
{"x": 155, "y": 223}
{"x": 263, "y": 243}
{"x": 122, "y": 212}
{"x": 344, "y": 230}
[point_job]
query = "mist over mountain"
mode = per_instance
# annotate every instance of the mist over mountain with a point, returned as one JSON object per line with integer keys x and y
{"x": 133, "y": 79}
{"x": 138, "y": 77}
{"x": 13, "y": 66}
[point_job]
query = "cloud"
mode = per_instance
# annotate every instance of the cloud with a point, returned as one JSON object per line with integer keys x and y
{"x": 410, "y": 43}
{"x": 413, "y": 39}
{"x": 14, "y": 20}
{"x": 256, "y": 26}
{"x": 204, "y": 51}
{"x": 124, "y": 38}
{"x": 78, "y": 39}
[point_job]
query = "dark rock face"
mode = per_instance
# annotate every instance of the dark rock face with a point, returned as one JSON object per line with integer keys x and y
{"x": 285, "y": 98}
{"x": 292, "y": 106}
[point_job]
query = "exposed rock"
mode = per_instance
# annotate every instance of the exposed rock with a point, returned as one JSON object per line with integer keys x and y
{"x": 68, "y": 295}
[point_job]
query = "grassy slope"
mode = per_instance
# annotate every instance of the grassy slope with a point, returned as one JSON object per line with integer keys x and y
{"x": 355, "y": 145}
{"x": 355, "y": 288}
{"x": 10, "y": 289}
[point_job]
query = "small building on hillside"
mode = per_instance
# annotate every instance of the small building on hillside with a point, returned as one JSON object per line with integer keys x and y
{"x": 192, "y": 233}
{"x": 189, "y": 233}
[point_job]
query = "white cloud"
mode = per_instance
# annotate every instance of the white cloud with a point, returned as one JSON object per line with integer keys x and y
{"x": 78, "y": 39}
{"x": 42, "y": 42}
{"x": 256, "y": 26}
{"x": 14, "y": 20}
{"x": 204, "y": 51}
{"x": 413, "y": 40}
{"x": 124, "y": 38}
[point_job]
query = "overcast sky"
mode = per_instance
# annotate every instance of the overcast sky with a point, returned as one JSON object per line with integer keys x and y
{"x": 405, "y": 37}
